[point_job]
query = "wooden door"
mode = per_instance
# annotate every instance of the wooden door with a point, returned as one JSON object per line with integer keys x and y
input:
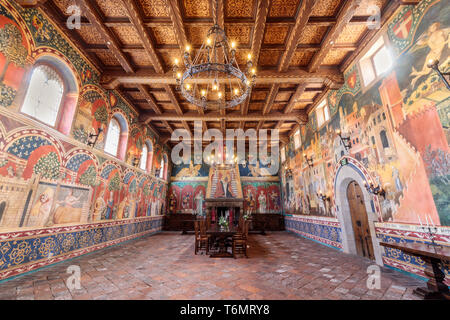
{"x": 360, "y": 221}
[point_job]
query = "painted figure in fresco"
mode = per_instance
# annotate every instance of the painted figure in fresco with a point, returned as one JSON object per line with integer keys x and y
{"x": 109, "y": 207}
{"x": 185, "y": 202}
{"x": 148, "y": 205}
{"x": 398, "y": 182}
{"x": 262, "y": 202}
{"x": 40, "y": 213}
{"x": 192, "y": 171}
{"x": 250, "y": 202}
{"x": 172, "y": 202}
{"x": 436, "y": 39}
{"x": 67, "y": 213}
{"x": 10, "y": 170}
{"x": 99, "y": 207}
{"x": 136, "y": 206}
{"x": 199, "y": 202}
{"x": 275, "y": 200}
{"x": 121, "y": 209}
{"x": 223, "y": 189}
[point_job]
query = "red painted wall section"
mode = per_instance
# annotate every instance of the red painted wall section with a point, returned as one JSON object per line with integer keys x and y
{"x": 68, "y": 112}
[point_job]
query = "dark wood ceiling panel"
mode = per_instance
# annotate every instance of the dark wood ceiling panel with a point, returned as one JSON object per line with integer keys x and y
{"x": 299, "y": 48}
{"x": 283, "y": 8}
{"x": 154, "y": 8}
{"x": 239, "y": 8}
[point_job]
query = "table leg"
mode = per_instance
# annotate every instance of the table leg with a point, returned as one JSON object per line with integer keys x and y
{"x": 436, "y": 289}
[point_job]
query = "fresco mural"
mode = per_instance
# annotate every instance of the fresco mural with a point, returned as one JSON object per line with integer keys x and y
{"x": 381, "y": 122}
{"x": 50, "y": 181}
{"x": 411, "y": 166}
{"x": 28, "y": 152}
{"x": 186, "y": 197}
{"x": 93, "y": 115}
{"x": 261, "y": 197}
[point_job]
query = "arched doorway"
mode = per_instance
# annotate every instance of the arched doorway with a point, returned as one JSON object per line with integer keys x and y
{"x": 347, "y": 171}
{"x": 360, "y": 221}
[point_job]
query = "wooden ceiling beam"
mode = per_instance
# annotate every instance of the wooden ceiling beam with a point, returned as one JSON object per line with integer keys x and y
{"x": 135, "y": 15}
{"x": 90, "y": 9}
{"x": 31, "y": 3}
{"x": 345, "y": 15}
{"x": 269, "y": 103}
{"x": 154, "y": 106}
{"x": 231, "y": 116}
{"x": 259, "y": 27}
{"x": 112, "y": 78}
{"x": 54, "y": 15}
{"x": 171, "y": 93}
{"x": 177, "y": 24}
{"x": 244, "y": 22}
{"x": 291, "y": 104}
{"x": 304, "y": 13}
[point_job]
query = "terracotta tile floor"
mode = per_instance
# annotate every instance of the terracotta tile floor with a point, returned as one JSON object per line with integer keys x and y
{"x": 163, "y": 266}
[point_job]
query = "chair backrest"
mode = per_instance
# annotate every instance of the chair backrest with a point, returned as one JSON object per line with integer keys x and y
{"x": 197, "y": 228}
{"x": 241, "y": 224}
{"x": 246, "y": 226}
{"x": 202, "y": 227}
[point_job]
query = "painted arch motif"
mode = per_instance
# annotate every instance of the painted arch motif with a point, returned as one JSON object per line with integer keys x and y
{"x": 41, "y": 153}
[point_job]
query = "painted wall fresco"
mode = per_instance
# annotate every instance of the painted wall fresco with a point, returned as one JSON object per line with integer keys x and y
{"x": 261, "y": 192}
{"x": 25, "y": 251}
{"x": 382, "y": 121}
{"x": 398, "y": 128}
{"x": 28, "y": 150}
{"x": 262, "y": 196}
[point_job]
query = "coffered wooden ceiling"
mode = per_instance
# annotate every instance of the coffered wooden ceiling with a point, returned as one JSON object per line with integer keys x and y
{"x": 301, "y": 48}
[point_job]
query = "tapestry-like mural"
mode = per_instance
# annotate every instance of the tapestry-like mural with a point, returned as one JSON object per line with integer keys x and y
{"x": 381, "y": 122}
{"x": 50, "y": 177}
{"x": 398, "y": 130}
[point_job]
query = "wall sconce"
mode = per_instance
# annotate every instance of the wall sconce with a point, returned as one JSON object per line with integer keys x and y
{"x": 434, "y": 64}
{"x": 309, "y": 161}
{"x": 375, "y": 190}
{"x": 322, "y": 196}
{"x": 345, "y": 140}
{"x": 91, "y": 143}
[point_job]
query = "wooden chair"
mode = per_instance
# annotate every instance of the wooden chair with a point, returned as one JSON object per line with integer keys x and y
{"x": 240, "y": 240}
{"x": 201, "y": 239}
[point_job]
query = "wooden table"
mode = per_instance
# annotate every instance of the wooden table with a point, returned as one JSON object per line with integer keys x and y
{"x": 436, "y": 289}
{"x": 187, "y": 225}
{"x": 221, "y": 235}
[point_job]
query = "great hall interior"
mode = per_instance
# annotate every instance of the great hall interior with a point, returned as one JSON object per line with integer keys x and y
{"x": 112, "y": 166}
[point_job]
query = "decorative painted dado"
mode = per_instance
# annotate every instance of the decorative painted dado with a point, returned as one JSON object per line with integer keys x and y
{"x": 325, "y": 230}
{"x": 24, "y": 251}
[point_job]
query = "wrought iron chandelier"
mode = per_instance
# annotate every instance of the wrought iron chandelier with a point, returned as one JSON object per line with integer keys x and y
{"x": 213, "y": 79}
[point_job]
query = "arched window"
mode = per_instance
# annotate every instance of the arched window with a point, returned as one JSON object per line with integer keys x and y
{"x": 162, "y": 169}
{"x": 117, "y": 136}
{"x": 113, "y": 137}
{"x": 51, "y": 93}
{"x": 144, "y": 156}
{"x": 384, "y": 139}
{"x": 44, "y": 95}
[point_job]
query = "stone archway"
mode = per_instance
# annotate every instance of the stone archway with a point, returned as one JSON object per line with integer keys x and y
{"x": 345, "y": 174}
